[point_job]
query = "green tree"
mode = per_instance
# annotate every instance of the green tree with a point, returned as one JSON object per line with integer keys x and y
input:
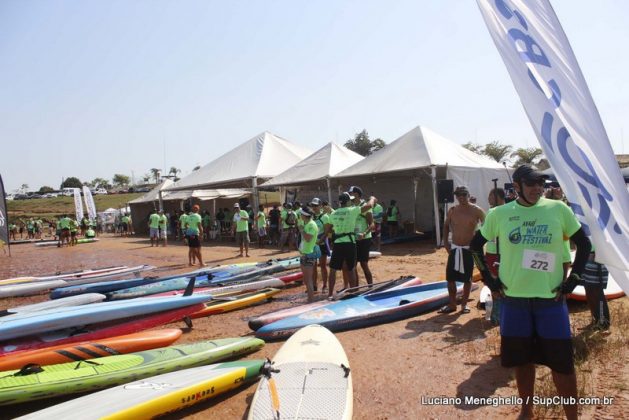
{"x": 146, "y": 178}
{"x": 120, "y": 180}
{"x": 362, "y": 145}
{"x": 474, "y": 147}
{"x": 155, "y": 173}
{"x": 100, "y": 183}
{"x": 71, "y": 182}
{"x": 173, "y": 173}
{"x": 529, "y": 155}
{"x": 497, "y": 151}
{"x": 45, "y": 189}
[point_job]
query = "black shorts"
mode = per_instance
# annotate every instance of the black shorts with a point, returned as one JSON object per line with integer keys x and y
{"x": 535, "y": 330}
{"x": 344, "y": 252}
{"x": 193, "y": 241}
{"x": 392, "y": 223}
{"x": 468, "y": 266}
{"x": 362, "y": 250}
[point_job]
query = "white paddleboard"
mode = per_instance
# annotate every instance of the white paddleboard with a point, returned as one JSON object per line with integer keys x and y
{"x": 77, "y": 300}
{"x": 313, "y": 382}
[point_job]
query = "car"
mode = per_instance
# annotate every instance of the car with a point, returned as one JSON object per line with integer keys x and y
{"x": 99, "y": 191}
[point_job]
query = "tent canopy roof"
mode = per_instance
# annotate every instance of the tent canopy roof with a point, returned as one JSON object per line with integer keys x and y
{"x": 263, "y": 156}
{"x": 325, "y": 162}
{"x": 419, "y": 148}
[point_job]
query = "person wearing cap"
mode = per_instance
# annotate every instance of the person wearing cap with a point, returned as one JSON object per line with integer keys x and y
{"x": 260, "y": 220}
{"x": 534, "y": 319}
{"x": 289, "y": 221}
{"x": 462, "y": 220}
{"x": 194, "y": 230}
{"x": 378, "y": 216}
{"x": 240, "y": 229}
{"x": 321, "y": 219}
{"x": 364, "y": 225}
{"x": 163, "y": 227}
{"x": 154, "y": 228}
{"x": 393, "y": 215}
{"x": 309, "y": 250}
{"x": 342, "y": 227}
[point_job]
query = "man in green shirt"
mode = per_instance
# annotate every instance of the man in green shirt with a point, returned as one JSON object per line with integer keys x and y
{"x": 342, "y": 226}
{"x": 378, "y": 216}
{"x": 64, "y": 227}
{"x": 154, "y": 228}
{"x": 183, "y": 221}
{"x": 309, "y": 250}
{"x": 321, "y": 219}
{"x": 74, "y": 230}
{"x": 241, "y": 229}
{"x": 289, "y": 222}
{"x": 534, "y": 319}
{"x": 393, "y": 216}
{"x": 194, "y": 230}
{"x": 163, "y": 226}
{"x": 364, "y": 225}
{"x": 206, "y": 225}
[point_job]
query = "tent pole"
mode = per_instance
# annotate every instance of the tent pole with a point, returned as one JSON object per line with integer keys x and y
{"x": 415, "y": 182}
{"x": 161, "y": 200}
{"x": 433, "y": 175}
{"x": 329, "y": 190}
{"x": 256, "y": 200}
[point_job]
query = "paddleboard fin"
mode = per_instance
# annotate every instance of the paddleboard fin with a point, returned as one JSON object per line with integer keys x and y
{"x": 190, "y": 286}
{"x": 346, "y": 369}
{"x": 187, "y": 321}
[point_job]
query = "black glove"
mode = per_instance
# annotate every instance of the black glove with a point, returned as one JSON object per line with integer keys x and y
{"x": 568, "y": 286}
{"x": 494, "y": 284}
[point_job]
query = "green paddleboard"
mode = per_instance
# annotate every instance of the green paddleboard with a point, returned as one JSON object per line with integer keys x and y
{"x": 84, "y": 376}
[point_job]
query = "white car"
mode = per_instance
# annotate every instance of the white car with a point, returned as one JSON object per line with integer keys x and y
{"x": 99, "y": 191}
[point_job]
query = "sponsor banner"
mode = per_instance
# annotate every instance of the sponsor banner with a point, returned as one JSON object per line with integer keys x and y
{"x": 78, "y": 204}
{"x": 4, "y": 216}
{"x": 89, "y": 203}
{"x": 561, "y": 110}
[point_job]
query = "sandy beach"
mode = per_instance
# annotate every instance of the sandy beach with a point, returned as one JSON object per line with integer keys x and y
{"x": 421, "y": 367}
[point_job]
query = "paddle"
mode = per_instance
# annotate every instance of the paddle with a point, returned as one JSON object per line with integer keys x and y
{"x": 373, "y": 287}
{"x": 267, "y": 369}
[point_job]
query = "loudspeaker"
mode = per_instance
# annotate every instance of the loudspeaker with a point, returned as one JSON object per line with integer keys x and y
{"x": 445, "y": 191}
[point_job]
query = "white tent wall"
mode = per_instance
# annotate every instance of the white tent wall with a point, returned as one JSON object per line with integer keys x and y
{"x": 479, "y": 181}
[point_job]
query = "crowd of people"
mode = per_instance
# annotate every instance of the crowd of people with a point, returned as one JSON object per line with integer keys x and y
{"x": 64, "y": 229}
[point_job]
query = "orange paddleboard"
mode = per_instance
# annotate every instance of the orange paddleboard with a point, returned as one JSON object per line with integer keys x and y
{"x": 64, "y": 353}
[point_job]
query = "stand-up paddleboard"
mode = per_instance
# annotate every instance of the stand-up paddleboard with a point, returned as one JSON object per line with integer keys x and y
{"x": 31, "y": 241}
{"x": 64, "y": 276}
{"x": 364, "y": 311}
{"x": 258, "y": 321}
{"x": 97, "y": 331}
{"x": 310, "y": 378}
{"x": 157, "y": 395}
{"x": 72, "y": 378}
{"x": 79, "y": 241}
{"x": 233, "y": 302}
{"x": 59, "y": 303}
{"x": 21, "y": 325}
{"x": 86, "y": 350}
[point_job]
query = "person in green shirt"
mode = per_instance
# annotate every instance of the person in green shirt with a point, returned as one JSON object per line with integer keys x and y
{"x": 364, "y": 225}
{"x": 260, "y": 220}
{"x": 194, "y": 230}
{"x": 206, "y": 221}
{"x": 241, "y": 229}
{"x": 393, "y": 216}
{"x": 154, "y": 228}
{"x": 321, "y": 219}
{"x": 64, "y": 227}
{"x": 378, "y": 217}
{"x": 342, "y": 227}
{"x": 183, "y": 221}
{"x": 309, "y": 250}
{"x": 534, "y": 319}
{"x": 289, "y": 222}
{"x": 74, "y": 230}
{"x": 163, "y": 227}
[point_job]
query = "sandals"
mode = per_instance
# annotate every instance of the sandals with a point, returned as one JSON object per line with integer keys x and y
{"x": 446, "y": 310}
{"x": 465, "y": 310}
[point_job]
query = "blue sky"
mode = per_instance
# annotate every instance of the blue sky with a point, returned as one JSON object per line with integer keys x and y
{"x": 94, "y": 88}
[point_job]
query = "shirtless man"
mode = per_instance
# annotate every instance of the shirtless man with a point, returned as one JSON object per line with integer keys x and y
{"x": 462, "y": 221}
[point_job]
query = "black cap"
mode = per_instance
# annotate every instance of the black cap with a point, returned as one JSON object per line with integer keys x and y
{"x": 345, "y": 197}
{"x": 527, "y": 173}
{"x": 288, "y": 206}
{"x": 307, "y": 211}
{"x": 354, "y": 189}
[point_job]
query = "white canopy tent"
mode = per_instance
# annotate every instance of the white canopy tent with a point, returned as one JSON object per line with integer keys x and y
{"x": 414, "y": 162}
{"x": 317, "y": 168}
{"x": 258, "y": 159}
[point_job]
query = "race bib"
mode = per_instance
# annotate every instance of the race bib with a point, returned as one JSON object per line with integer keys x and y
{"x": 538, "y": 261}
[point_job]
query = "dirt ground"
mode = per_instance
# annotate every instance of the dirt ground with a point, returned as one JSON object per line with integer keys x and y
{"x": 398, "y": 369}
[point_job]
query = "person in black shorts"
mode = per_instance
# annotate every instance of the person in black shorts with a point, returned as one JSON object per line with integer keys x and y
{"x": 364, "y": 226}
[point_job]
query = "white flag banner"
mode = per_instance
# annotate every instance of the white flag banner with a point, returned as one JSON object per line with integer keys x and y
{"x": 89, "y": 203}
{"x": 561, "y": 110}
{"x": 78, "y": 204}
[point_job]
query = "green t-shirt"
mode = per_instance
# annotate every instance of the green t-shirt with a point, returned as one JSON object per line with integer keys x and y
{"x": 378, "y": 213}
{"x": 242, "y": 221}
{"x": 193, "y": 220}
{"x": 261, "y": 219}
{"x": 183, "y": 219}
{"x": 394, "y": 213}
{"x": 125, "y": 219}
{"x": 154, "y": 221}
{"x": 206, "y": 220}
{"x": 283, "y": 216}
{"x": 321, "y": 220}
{"x": 361, "y": 224}
{"x": 531, "y": 245}
{"x": 300, "y": 221}
{"x": 74, "y": 225}
{"x": 344, "y": 221}
{"x": 307, "y": 247}
{"x": 163, "y": 221}
{"x": 64, "y": 223}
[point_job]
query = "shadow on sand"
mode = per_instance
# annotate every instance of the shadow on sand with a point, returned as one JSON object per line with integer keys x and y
{"x": 484, "y": 381}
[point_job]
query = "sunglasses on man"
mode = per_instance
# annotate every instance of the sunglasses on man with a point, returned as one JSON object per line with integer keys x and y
{"x": 534, "y": 182}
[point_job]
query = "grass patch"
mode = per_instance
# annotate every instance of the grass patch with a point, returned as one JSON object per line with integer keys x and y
{"x": 53, "y": 207}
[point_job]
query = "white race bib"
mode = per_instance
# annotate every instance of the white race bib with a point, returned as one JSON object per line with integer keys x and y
{"x": 538, "y": 261}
